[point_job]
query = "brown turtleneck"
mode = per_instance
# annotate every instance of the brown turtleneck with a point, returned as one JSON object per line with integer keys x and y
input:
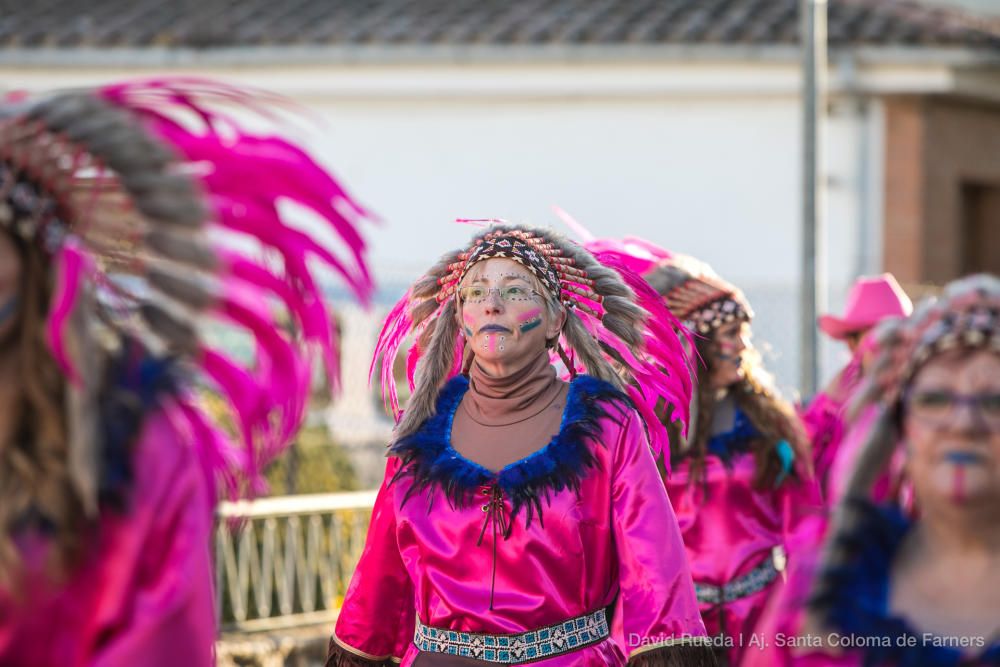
{"x": 499, "y": 421}
{"x": 503, "y": 419}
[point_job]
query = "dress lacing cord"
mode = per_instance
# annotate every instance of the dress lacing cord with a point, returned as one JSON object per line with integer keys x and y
{"x": 496, "y": 515}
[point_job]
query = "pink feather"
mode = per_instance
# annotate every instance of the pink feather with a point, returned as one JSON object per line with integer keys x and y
{"x": 73, "y": 265}
{"x": 245, "y": 176}
{"x": 304, "y": 302}
{"x": 631, "y": 242}
{"x": 662, "y": 372}
{"x": 217, "y": 457}
{"x": 412, "y": 358}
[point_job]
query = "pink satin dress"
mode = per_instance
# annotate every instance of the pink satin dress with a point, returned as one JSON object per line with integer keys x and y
{"x": 730, "y": 528}
{"x": 825, "y": 421}
{"x": 778, "y": 642}
{"x": 615, "y": 544}
{"x": 143, "y": 596}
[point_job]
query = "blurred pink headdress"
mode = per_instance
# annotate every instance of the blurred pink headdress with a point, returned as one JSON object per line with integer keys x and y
{"x": 147, "y": 196}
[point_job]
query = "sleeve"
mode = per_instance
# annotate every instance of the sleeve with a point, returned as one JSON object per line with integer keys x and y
{"x": 376, "y": 622}
{"x": 656, "y": 614}
{"x": 823, "y": 422}
{"x": 157, "y": 607}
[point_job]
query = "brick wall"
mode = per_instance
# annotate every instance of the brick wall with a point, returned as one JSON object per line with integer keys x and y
{"x": 941, "y": 156}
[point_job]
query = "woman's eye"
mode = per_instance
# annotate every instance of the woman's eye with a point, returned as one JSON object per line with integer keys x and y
{"x": 990, "y": 403}
{"x": 934, "y": 398}
{"x": 514, "y": 290}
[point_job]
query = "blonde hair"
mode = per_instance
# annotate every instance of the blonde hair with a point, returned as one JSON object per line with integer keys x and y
{"x": 773, "y": 417}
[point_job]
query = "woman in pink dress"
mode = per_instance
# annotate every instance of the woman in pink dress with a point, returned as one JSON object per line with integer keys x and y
{"x": 913, "y": 578}
{"x": 741, "y": 480}
{"x": 870, "y": 301}
{"x": 522, "y": 518}
{"x": 108, "y": 470}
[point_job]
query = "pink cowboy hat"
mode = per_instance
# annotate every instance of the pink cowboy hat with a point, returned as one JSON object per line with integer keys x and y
{"x": 870, "y": 300}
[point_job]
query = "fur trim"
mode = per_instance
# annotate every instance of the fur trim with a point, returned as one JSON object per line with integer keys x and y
{"x": 135, "y": 383}
{"x": 429, "y": 459}
{"x": 735, "y": 440}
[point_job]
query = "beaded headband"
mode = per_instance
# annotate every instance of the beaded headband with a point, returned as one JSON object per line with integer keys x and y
{"x": 565, "y": 282}
{"x": 717, "y": 314}
{"x": 515, "y": 249}
{"x": 697, "y": 296}
{"x": 967, "y": 317}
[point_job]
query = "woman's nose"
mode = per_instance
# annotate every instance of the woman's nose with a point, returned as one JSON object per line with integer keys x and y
{"x": 493, "y": 303}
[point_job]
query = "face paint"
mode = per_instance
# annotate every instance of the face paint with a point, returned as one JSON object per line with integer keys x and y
{"x": 530, "y": 320}
{"x": 958, "y": 484}
{"x": 959, "y": 461}
{"x": 8, "y": 309}
{"x": 502, "y": 339}
{"x": 963, "y": 458}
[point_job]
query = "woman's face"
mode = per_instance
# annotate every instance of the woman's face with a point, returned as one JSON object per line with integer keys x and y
{"x": 10, "y": 284}
{"x": 503, "y": 316}
{"x": 951, "y": 426}
{"x": 854, "y": 338}
{"x": 728, "y": 344}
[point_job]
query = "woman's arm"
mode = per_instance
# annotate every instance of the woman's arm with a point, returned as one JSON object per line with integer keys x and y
{"x": 376, "y": 622}
{"x": 656, "y": 614}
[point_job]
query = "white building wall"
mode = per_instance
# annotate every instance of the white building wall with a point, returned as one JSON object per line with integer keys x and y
{"x": 702, "y": 158}
{"x": 715, "y": 177}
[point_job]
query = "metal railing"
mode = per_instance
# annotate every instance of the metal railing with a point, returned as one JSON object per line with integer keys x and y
{"x": 286, "y": 561}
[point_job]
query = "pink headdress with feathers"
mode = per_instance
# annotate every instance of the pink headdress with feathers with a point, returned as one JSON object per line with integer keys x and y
{"x": 152, "y": 198}
{"x": 606, "y": 300}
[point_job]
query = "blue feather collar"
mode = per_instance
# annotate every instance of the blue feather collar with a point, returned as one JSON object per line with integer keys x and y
{"x": 855, "y": 599}
{"x": 735, "y": 440}
{"x": 135, "y": 383}
{"x": 429, "y": 459}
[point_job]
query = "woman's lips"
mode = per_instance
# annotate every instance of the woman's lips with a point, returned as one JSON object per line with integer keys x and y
{"x": 964, "y": 458}
{"x": 730, "y": 358}
{"x": 493, "y": 328}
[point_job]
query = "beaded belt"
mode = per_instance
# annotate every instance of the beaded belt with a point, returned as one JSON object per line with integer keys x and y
{"x": 753, "y": 581}
{"x": 547, "y": 642}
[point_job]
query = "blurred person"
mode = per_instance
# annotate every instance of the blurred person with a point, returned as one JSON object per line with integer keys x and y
{"x": 741, "y": 480}
{"x": 870, "y": 301}
{"x": 522, "y": 518}
{"x": 109, "y": 471}
{"x": 913, "y": 578}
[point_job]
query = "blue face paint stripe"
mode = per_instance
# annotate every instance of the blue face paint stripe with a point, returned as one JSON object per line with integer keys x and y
{"x": 8, "y": 309}
{"x": 963, "y": 458}
{"x": 528, "y": 326}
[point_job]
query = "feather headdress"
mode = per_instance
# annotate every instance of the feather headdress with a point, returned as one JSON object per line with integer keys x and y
{"x": 609, "y": 332}
{"x": 147, "y": 196}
